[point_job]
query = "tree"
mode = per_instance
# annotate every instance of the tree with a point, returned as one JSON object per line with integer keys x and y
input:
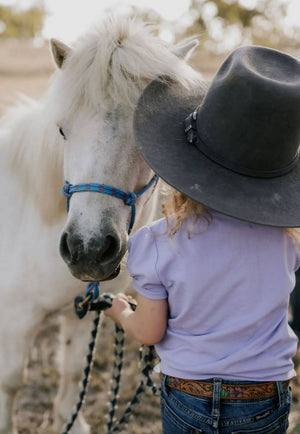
{"x": 21, "y": 24}
{"x": 224, "y": 24}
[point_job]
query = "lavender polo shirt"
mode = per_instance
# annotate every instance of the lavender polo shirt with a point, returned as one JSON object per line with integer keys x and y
{"x": 228, "y": 291}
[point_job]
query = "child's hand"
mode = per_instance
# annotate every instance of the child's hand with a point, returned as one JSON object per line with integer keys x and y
{"x": 119, "y": 305}
{"x": 147, "y": 324}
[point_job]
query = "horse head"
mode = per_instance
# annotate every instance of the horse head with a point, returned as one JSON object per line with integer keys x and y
{"x": 97, "y": 84}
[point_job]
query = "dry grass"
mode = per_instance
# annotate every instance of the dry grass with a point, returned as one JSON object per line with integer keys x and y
{"x": 26, "y": 69}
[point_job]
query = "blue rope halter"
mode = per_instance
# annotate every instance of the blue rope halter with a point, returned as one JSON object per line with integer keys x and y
{"x": 129, "y": 199}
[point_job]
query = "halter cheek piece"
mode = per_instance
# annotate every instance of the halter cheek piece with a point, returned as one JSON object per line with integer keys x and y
{"x": 129, "y": 198}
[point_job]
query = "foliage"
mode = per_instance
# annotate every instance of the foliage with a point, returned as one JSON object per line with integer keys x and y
{"x": 21, "y": 24}
{"x": 218, "y": 21}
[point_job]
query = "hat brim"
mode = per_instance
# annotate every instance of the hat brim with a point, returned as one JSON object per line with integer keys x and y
{"x": 159, "y": 132}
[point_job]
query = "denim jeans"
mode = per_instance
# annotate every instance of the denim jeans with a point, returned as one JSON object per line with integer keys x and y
{"x": 187, "y": 414}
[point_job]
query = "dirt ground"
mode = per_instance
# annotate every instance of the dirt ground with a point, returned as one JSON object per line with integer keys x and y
{"x": 26, "y": 69}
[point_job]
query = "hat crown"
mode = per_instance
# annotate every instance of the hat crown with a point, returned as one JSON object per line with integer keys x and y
{"x": 249, "y": 119}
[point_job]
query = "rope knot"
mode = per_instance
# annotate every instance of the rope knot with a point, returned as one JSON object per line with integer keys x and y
{"x": 131, "y": 198}
{"x": 93, "y": 289}
{"x": 66, "y": 189}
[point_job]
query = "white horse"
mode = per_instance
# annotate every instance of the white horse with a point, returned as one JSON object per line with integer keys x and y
{"x": 81, "y": 130}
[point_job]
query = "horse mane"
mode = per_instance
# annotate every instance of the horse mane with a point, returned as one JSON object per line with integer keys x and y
{"x": 107, "y": 67}
{"x": 112, "y": 63}
{"x": 33, "y": 151}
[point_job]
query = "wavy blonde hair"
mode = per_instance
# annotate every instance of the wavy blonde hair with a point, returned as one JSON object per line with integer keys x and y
{"x": 295, "y": 234}
{"x": 180, "y": 207}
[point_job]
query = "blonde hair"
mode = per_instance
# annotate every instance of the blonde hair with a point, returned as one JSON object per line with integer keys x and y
{"x": 180, "y": 207}
{"x": 294, "y": 233}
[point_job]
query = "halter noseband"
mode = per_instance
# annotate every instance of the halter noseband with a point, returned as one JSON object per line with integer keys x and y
{"x": 128, "y": 198}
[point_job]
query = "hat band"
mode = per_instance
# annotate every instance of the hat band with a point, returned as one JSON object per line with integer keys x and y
{"x": 194, "y": 138}
{"x": 234, "y": 167}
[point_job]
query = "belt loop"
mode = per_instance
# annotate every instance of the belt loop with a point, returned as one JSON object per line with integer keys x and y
{"x": 216, "y": 402}
{"x": 280, "y": 391}
{"x": 163, "y": 384}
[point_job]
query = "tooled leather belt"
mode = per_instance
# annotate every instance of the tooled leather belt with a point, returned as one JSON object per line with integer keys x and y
{"x": 228, "y": 391}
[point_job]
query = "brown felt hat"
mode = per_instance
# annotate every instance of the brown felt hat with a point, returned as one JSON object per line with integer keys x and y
{"x": 234, "y": 147}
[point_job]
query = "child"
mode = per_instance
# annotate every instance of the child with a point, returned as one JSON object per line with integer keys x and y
{"x": 213, "y": 277}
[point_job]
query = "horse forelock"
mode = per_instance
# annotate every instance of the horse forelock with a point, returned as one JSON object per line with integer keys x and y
{"x": 112, "y": 64}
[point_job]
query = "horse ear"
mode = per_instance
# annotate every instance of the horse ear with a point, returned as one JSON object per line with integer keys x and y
{"x": 60, "y": 51}
{"x": 184, "y": 50}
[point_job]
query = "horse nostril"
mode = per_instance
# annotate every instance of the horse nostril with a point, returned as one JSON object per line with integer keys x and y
{"x": 99, "y": 251}
{"x": 109, "y": 249}
{"x": 64, "y": 248}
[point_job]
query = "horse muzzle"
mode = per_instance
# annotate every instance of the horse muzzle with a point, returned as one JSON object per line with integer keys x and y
{"x": 97, "y": 260}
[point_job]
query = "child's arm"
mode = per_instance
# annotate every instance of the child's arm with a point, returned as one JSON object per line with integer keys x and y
{"x": 147, "y": 324}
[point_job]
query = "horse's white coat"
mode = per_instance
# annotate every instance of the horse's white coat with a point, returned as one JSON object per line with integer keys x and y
{"x": 91, "y": 98}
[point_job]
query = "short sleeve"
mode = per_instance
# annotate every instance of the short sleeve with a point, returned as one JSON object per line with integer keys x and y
{"x": 141, "y": 263}
{"x": 293, "y": 253}
{"x": 297, "y": 258}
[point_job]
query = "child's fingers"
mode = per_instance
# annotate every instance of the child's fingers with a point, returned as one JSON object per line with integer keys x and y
{"x": 121, "y": 296}
{"x": 129, "y": 298}
{"x": 125, "y": 297}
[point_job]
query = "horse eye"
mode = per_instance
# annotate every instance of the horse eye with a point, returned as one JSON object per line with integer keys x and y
{"x": 62, "y": 132}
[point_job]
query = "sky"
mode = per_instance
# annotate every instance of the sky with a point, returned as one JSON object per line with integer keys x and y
{"x": 69, "y": 18}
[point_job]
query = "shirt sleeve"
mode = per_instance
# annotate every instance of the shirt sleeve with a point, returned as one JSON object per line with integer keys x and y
{"x": 141, "y": 263}
{"x": 297, "y": 258}
{"x": 294, "y": 250}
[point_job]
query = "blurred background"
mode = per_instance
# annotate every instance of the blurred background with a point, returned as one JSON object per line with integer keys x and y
{"x": 221, "y": 25}
{"x": 26, "y": 67}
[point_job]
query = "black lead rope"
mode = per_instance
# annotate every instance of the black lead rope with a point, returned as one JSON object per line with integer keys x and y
{"x": 146, "y": 357}
{"x": 81, "y": 307}
{"x": 85, "y": 380}
{"x": 147, "y": 360}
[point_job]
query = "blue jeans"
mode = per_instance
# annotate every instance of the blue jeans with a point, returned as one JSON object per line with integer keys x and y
{"x": 187, "y": 414}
